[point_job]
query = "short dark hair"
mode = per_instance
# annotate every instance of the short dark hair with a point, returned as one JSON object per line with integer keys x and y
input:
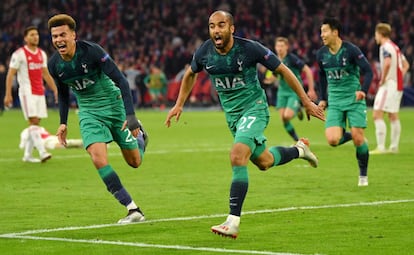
{"x": 333, "y": 23}
{"x": 61, "y": 20}
{"x": 28, "y": 29}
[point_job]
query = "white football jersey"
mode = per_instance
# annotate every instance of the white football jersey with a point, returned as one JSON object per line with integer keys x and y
{"x": 390, "y": 49}
{"x": 29, "y": 67}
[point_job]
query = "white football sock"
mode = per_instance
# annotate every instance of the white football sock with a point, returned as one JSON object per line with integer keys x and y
{"x": 34, "y": 133}
{"x": 235, "y": 220}
{"x": 380, "y": 133}
{"x": 132, "y": 206}
{"x": 74, "y": 143}
{"x": 28, "y": 148}
{"x": 395, "y": 133}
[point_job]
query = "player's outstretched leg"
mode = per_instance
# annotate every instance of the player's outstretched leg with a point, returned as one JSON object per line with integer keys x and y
{"x": 305, "y": 152}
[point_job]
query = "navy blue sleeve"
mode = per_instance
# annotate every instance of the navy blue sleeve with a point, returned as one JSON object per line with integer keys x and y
{"x": 365, "y": 68}
{"x": 323, "y": 83}
{"x": 196, "y": 65}
{"x": 64, "y": 98}
{"x": 63, "y": 93}
{"x": 265, "y": 56}
{"x": 296, "y": 61}
{"x": 109, "y": 67}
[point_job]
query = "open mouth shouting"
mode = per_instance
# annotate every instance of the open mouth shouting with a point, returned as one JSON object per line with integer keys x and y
{"x": 218, "y": 41}
{"x": 61, "y": 47}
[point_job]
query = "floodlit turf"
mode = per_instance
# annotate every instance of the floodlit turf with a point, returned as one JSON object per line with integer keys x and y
{"x": 62, "y": 206}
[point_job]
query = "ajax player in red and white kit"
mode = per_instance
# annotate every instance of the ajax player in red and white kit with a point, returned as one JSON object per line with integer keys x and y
{"x": 50, "y": 141}
{"x": 388, "y": 98}
{"x": 30, "y": 64}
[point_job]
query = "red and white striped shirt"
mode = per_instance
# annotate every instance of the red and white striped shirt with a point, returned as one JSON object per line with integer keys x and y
{"x": 29, "y": 67}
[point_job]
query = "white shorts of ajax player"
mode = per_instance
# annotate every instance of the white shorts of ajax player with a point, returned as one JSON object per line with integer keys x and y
{"x": 33, "y": 106}
{"x": 388, "y": 98}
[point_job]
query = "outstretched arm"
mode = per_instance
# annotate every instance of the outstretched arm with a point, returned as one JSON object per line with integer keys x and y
{"x": 187, "y": 85}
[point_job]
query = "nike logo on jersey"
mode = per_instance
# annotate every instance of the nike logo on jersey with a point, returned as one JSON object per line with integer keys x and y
{"x": 209, "y": 67}
{"x": 61, "y": 74}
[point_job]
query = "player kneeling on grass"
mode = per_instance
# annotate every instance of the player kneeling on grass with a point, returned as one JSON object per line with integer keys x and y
{"x": 106, "y": 111}
{"x": 232, "y": 65}
{"x": 49, "y": 141}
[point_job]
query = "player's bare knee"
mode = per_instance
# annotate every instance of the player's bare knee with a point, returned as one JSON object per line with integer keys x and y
{"x": 358, "y": 141}
{"x": 135, "y": 163}
{"x": 333, "y": 142}
{"x": 236, "y": 159}
{"x": 262, "y": 165}
{"x": 99, "y": 163}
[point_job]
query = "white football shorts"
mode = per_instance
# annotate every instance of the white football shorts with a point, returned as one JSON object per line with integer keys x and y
{"x": 388, "y": 98}
{"x": 33, "y": 106}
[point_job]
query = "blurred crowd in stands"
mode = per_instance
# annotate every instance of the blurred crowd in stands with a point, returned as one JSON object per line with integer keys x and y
{"x": 155, "y": 39}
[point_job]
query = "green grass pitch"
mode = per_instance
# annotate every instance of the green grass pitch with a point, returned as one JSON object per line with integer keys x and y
{"x": 62, "y": 206}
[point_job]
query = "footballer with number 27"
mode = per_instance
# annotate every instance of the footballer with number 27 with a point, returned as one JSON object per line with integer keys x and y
{"x": 231, "y": 62}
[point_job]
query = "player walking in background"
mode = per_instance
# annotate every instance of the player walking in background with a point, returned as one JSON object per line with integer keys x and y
{"x": 388, "y": 98}
{"x": 30, "y": 64}
{"x": 232, "y": 65}
{"x": 288, "y": 103}
{"x": 105, "y": 106}
{"x": 340, "y": 63}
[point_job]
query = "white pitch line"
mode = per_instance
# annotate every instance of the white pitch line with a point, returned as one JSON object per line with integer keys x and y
{"x": 296, "y": 208}
{"x": 26, "y": 234}
{"x": 145, "y": 245}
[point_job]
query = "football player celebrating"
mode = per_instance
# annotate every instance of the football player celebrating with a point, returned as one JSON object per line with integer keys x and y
{"x": 232, "y": 65}
{"x": 106, "y": 112}
{"x": 340, "y": 63}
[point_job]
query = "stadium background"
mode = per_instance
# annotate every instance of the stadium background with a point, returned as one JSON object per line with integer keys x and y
{"x": 139, "y": 34}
